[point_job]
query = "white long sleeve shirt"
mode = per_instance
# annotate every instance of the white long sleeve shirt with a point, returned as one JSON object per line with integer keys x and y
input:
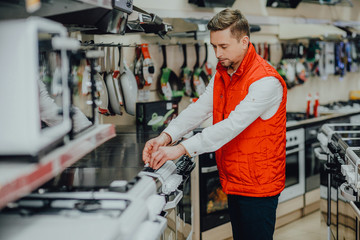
{"x": 49, "y": 111}
{"x": 263, "y": 100}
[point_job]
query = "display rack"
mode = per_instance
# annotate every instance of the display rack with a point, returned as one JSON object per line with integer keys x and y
{"x": 18, "y": 179}
{"x": 17, "y": 9}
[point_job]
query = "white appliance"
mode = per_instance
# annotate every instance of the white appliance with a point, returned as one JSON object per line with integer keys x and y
{"x": 295, "y": 165}
{"x": 23, "y": 45}
{"x": 90, "y": 215}
{"x": 339, "y": 189}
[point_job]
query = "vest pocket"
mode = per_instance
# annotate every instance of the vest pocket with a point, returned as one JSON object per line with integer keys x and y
{"x": 259, "y": 167}
{"x": 237, "y": 172}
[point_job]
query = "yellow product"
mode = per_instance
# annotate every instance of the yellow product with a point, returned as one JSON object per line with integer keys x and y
{"x": 354, "y": 95}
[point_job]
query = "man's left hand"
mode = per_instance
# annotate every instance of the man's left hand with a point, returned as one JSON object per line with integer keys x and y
{"x": 164, "y": 154}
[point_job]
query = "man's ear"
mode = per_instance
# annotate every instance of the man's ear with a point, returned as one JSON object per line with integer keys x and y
{"x": 245, "y": 41}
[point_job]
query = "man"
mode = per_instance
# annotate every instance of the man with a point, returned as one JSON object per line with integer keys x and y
{"x": 49, "y": 111}
{"x": 247, "y": 100}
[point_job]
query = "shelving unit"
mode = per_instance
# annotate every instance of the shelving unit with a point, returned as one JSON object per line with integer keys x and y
{"x": 17, "y": 9}
{"x": 18, "y": 179}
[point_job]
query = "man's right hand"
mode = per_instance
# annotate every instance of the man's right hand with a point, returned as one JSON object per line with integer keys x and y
{"x": 153, "y": 145}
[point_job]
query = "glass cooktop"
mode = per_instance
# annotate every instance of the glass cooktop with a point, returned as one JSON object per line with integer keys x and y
{"x": 120, "y": 158}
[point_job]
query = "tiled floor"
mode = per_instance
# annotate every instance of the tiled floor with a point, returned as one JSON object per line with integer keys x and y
{"x": 309, "y": 227}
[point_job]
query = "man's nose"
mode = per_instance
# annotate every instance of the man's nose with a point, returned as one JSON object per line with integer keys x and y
{"x": 218, "y": 53}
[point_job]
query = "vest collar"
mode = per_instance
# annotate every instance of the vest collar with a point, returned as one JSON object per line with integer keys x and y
{"x": 249, "y": 57}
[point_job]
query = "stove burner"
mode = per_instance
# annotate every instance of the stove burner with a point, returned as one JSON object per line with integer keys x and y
{"x": 295, "y": 116}
{"x": 88, "y": 205}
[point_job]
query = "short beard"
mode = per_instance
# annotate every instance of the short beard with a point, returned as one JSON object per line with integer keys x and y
{"x": 230, "y": 65}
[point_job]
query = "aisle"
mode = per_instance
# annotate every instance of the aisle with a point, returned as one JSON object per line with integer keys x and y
{"x": 309, "y": 228}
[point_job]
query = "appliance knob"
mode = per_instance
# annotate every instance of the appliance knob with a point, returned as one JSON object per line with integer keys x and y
{"x": 313, "y": 133}
{"x": 119, "y": 186}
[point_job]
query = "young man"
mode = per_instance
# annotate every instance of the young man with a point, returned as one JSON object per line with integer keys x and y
{"x": 247, "y": 100}
{"x": 49, "y": 111}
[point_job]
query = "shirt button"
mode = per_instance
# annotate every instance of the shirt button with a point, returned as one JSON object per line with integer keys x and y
{"x": 221, "y": 96}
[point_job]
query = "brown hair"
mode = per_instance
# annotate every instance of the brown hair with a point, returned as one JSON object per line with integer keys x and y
{"x": 234, "y": 19}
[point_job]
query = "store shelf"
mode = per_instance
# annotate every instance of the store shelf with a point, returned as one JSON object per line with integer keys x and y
{"x": 18, "y": 179}
{"x": 17, "y": 9}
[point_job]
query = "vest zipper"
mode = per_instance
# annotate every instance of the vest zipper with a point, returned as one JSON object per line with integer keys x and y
{"x": 225, "y": 96}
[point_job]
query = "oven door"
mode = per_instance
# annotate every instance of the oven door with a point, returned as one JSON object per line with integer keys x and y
{"x": 347, "y": 227}
{"x": 329, "y": 194}
{"x": 184, "y": 212}
{"x": 312, "y": 165}
{"x": 328, "y": 201}
{"x": 213, "y": 201}
{"x": 295, "y": 173}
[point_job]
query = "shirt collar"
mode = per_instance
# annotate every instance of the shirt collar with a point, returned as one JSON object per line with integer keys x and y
{"x": 249, "y": 57}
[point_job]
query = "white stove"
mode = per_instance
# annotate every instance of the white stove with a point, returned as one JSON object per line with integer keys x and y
{"x": 84, "y": 215}
{"x": 126, "y": 210}
{"x": 340, "y": 179}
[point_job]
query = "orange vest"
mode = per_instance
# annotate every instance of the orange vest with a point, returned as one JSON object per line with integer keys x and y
{"x": 253, "y": 163}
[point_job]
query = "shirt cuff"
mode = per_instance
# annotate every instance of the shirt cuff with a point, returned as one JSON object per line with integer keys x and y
{"x": 186, "y": 152}
{"x": 168, "y": 138}
{"x": 172, "y": 134}
{"x": 191, "y": 146}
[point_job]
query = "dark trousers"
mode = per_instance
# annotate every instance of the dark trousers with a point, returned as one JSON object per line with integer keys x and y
{"x": 252, "y": 218}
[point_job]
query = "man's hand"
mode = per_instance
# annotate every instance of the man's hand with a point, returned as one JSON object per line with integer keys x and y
{"x": 153, "y": 145}
{"x": 164, "y": 154}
